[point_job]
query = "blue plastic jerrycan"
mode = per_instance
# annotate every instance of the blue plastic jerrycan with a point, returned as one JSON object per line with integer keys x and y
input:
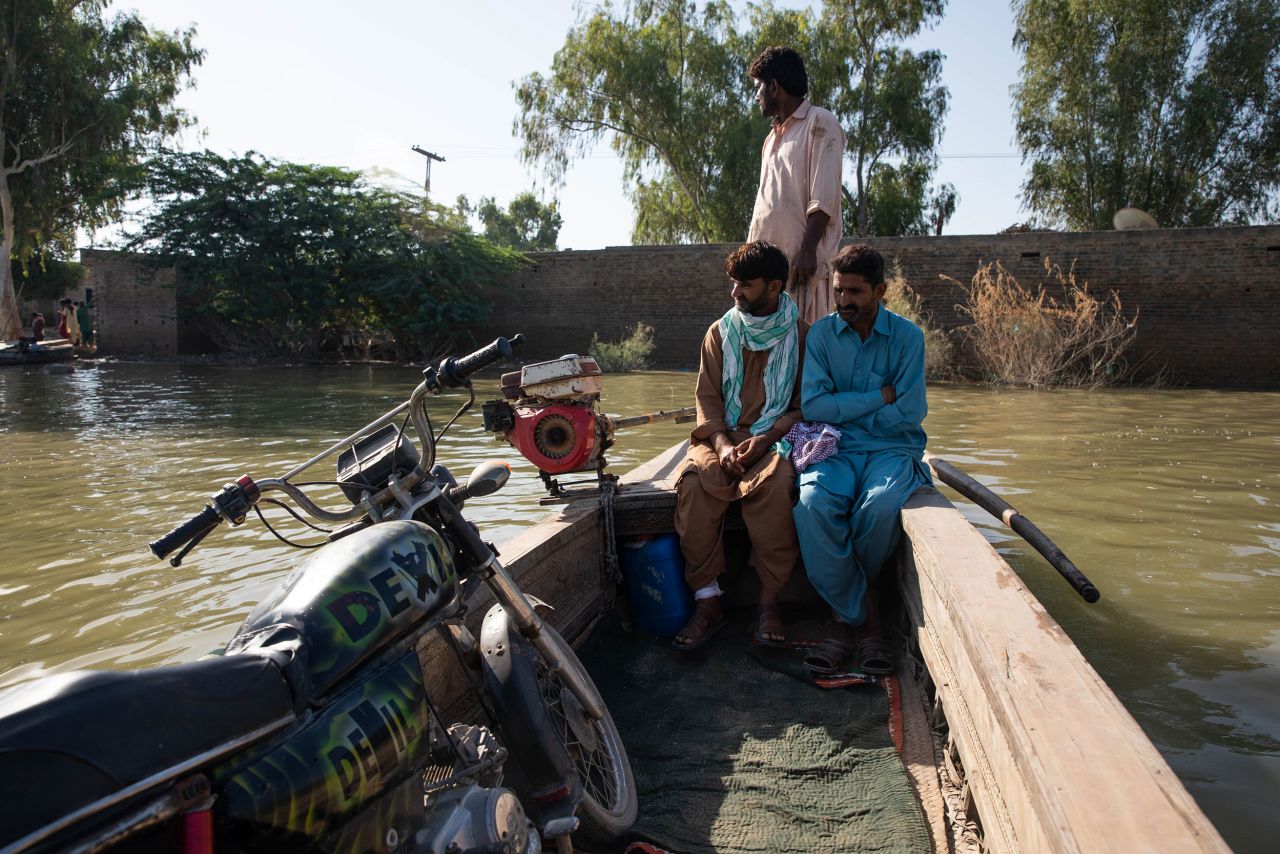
{"x": 653, "y": 568}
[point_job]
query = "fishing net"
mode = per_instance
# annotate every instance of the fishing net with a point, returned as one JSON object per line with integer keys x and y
{"x": 733, "y": 756}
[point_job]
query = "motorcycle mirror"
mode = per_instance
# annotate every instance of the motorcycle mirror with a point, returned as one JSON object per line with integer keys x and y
{"x": 487, "y": 478}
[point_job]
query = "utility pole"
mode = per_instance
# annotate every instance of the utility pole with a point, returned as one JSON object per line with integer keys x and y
{"x": 426, "y": 184}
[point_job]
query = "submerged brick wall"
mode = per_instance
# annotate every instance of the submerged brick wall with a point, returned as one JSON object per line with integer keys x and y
{"x": 136, "y": 303}
{"x": 1205, "y": 296}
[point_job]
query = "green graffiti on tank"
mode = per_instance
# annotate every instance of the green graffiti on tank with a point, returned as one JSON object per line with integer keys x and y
{"x": 357, "y": 594}
{"x": 330, "y": 767}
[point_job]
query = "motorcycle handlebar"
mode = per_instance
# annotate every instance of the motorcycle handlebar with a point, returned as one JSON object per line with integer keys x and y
{"x": 453, "y": 372}
{"x": 197, "y": 526}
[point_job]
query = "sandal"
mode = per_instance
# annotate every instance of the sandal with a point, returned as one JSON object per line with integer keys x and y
{"x": 705, "y": 622}
{"x": 769, "y": 622}
{"x": 874, "y": 656}
{"x": 828, "y": 657}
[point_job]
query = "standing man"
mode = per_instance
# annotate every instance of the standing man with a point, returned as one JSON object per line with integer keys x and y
{"x": 748, "y": 397}
{"x": 798, "y": 202}
{"x": 864, "y": 373}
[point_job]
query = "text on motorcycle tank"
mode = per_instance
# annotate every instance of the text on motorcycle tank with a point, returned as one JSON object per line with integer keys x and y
{"x": 368, "y": 739}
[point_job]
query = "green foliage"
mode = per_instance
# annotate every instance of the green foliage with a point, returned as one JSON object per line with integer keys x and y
{"x": 1171, "y": 106}
{"x": 84, "y": 98}
{"x": 527, "y": 224}
{"x": 666, "y": 85}
{"x": 291, "y": 257}
{"x": 901, "y": 299}
{"x": 627, "y": 354}
{"x": 48, "y": 278}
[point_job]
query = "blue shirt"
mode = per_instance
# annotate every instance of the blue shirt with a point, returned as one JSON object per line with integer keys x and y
{"x": 843, "y": 376}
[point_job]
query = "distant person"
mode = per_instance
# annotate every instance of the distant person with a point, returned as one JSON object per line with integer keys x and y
{"x": 84, "y": 322}
{"x": 748, "y": 397}
{"x": 797, "y": 204}
{"x": 73, "y": 324}
{"x": 37, "y": 326}
{"x": 863, "y": 374}
{"x": 64, "y": 318}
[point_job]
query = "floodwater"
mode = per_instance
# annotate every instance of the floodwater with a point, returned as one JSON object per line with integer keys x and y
{"x": 1166, "y": 499}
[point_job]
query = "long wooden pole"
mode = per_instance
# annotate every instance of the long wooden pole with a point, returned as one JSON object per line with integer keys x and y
{"x": 953, "y": 477}
{"x": 679, "y": 416}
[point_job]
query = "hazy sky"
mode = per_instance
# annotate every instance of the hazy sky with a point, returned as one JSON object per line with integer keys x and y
{"x": 356, "y": 84}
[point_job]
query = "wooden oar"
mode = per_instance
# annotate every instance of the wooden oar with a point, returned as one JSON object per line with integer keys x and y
{"x": 949, "y": 474}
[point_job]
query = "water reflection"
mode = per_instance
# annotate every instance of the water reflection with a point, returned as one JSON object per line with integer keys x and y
{"x": 1165, "y": 499}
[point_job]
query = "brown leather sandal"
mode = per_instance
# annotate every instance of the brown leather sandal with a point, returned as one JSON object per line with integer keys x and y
{"x": 769, "y": 622}
{"x": 707, "y": 619}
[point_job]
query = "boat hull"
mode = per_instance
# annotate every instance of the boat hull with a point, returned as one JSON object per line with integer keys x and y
{"x": 1037, "y": 753}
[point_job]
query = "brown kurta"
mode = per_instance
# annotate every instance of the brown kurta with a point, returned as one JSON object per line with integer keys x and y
{"x": 704, "y": 489}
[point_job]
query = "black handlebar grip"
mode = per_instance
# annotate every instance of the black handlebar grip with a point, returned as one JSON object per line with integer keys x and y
{"x": 454, "y": 372}
{"x": 202, "y": 523}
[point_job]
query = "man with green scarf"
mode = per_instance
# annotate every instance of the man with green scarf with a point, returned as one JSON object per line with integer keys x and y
{"x": 748, "y": 397}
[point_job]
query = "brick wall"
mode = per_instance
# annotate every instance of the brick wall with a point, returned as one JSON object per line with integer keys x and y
{"x": 1205, "y": 296}
{"x": 136, "y": 304}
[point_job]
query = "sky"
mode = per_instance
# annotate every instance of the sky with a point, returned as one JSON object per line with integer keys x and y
{"x": 358, "y": 84}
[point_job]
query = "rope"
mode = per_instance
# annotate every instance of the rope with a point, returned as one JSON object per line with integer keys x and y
{"x": 609, "y": 488}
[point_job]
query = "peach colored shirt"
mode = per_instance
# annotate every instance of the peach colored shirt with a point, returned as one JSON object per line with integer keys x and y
{"x": 800, "y": 166}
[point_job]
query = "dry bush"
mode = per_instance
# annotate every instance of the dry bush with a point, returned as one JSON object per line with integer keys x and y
{"x": 1021, "y": 337}
{"x": 901, "y": 299}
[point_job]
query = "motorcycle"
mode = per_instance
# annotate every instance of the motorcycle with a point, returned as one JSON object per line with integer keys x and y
{"x": 316, "y": 728}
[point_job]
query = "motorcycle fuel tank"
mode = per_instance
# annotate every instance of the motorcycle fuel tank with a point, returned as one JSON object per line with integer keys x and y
{"x": 354, "y": 595}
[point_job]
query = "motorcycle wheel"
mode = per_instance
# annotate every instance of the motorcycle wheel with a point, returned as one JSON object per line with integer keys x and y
{"x": 609, "y": 804}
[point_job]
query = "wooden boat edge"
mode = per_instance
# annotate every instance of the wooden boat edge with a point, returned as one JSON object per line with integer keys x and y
{"x": 1049, "y": 757}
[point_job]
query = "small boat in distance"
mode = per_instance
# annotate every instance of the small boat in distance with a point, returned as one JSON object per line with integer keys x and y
{"x": 25, "y": 351}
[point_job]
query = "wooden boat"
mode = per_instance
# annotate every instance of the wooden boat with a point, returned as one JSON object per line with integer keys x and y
{"x": 57, "y": 350}
{"x": 1026, "y": 749}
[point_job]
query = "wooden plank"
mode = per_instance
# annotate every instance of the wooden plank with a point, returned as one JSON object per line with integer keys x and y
{"x": 1054, "y": 760}
{"x": 659, "y": 472}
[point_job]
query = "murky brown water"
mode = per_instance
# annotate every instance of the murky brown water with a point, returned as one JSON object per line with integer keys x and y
{"x": 1167, "y": 500}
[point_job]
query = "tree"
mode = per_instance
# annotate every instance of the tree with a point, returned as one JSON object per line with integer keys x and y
{"x": 527, "y": 224}
{"x": 83, "y": 98}
{"x": 1172, "y": 106}
{"x": 667, "y": 87}
{"x": 291, "y": 257}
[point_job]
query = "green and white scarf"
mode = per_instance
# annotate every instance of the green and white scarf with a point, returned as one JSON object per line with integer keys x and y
{"x": 775, "y": 332}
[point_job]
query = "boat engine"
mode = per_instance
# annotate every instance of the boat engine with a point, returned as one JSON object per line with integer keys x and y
{"x": 548, "y": 413}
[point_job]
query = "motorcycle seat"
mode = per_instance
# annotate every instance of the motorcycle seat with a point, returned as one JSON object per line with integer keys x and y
{"x": 72, "y": 738}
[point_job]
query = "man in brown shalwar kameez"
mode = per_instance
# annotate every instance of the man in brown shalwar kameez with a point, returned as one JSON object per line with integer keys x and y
{"x": 748, "y": 397}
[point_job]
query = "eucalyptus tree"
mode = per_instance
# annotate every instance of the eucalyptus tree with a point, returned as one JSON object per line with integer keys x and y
{"x": 84, "y": 97}
{"x": 665, "y": 84}
{"x": 1172, "y": 106}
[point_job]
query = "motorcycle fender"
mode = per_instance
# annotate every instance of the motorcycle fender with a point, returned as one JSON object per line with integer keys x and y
{"x": 509, "y": 663}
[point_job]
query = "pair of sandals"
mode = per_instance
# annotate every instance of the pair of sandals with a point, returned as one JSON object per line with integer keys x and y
{"x": 834, "y": 656}
{"x": 705, "y": 622}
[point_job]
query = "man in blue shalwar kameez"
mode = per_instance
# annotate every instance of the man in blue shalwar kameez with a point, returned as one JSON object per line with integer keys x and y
{"x": 864, "y": 374}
